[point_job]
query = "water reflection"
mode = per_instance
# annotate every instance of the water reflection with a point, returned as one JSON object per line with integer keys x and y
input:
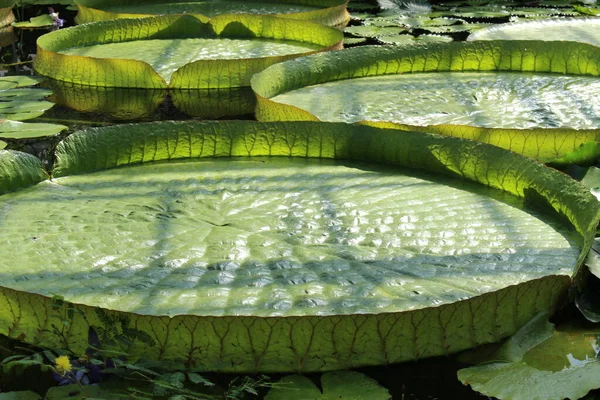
{"x": 136, "y": 103}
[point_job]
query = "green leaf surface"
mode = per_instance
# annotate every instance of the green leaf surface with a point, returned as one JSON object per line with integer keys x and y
{"x": 327, "y": 12}
{"x": 523, "y": 105}
{"x": 23, "y": 110}
{"x": 19, "y": 170}
{"x": 20, "y": 130}
{"x": 3, "y": 144}
{"x": 268, "y": 263}
{"x": 146, "y": 52}
{"x": 336, "y": 385}
{"x": 27, "y": 395}
{"x": 544, "y": 363}
{"x": 583, "y": 30}
{"x": 41, "y": 21}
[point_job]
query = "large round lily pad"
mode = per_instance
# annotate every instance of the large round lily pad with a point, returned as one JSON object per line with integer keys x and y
{"x": 584, "y": 30}
{"x": 533, "y": 97}
{"x": 181, "y": 50}
{"x": 366, "y": 246}
{"x": 328, "y": 12}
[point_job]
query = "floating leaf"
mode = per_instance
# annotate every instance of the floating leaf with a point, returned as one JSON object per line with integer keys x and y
{"x": 540, "y": 362}
{"x": 336, "y": 385}
{"x": 27, "y": 395}
{"x": 583, "y": 30}
{"x": 91, "y": 56}
{"x": 498, "y": 92}
{"x": 3, "y": 144}
{"x": 353, "y": 269}
{"x": 119, "y": 103}
{"x": 327, "y": 12}
{"x": 30, "y": 130}
{"x": 41, "y": 21}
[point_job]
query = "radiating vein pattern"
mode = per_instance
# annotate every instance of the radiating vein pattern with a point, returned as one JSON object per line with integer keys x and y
{"x": 491, "y": 100}
{"x": 167, "y": 55}
{"x": 272, "y": 237}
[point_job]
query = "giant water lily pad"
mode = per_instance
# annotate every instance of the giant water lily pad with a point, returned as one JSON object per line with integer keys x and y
{"x": 366, "y": 246}
{"x": 537, "y": 98}
{"x": 584, "y": 30}
{"x": 182, "y": 50}
{"x": 328, "y": 12}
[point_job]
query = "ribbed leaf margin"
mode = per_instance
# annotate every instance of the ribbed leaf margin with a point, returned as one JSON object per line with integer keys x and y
{"x": 312, "y": 343}
{"x": 108, "y": 72}
{"x": 525, "y": 56}
{"x": 19, "y": 170}
{"x": 331, "y": 12}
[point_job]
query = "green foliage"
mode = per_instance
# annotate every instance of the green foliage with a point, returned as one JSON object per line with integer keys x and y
{"x": 336, "y": 385}
{"x": 540, "y": 363}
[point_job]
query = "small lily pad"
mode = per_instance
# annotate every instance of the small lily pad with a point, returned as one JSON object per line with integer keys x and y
{"x": 20, "y": 130}
{"x": 540, "y": 362}
{"x": 41, "y": 21}
{"x": 23, "y": 110}
{"x": 336, "y": 385}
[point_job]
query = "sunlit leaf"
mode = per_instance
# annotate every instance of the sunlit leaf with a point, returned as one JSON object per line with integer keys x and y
{"x": 41, "y": 21}
{"x": 540, "y": 362}
{"x": 365, "y": 264}
{"x": 21, "y": 130}
{"x": 536, "y": 98}
{"x": 223, "y": 52}
{"x": 327, "y": 12}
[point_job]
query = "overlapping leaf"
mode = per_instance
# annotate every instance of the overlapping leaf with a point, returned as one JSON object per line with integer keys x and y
{"x": 53, "y": 61}
{"x": 274, "y": 337}
{"x": 482, "y": 103}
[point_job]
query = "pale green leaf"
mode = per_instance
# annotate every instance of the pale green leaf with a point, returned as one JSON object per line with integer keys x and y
{"x": 41, "y": 21}
{"x": 327, "y": 12}
{"x": 222, "y": 52}
{"x": 20, "y": 130}
{"x": 497, "y": 92}
{"x": 351, "y": 269}
{"x": 584, "y": 30}
{"x": 545, "y": 364}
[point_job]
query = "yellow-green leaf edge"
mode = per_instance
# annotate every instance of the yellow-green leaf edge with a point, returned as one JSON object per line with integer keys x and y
{"x": 107, "y": 72}
{"x": 332, "y": 12}
{"x": 528, "y": 56}
{"x": 313, "y": 343}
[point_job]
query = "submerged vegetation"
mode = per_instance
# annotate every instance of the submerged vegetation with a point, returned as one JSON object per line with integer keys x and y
{"x": 395, "y": 203}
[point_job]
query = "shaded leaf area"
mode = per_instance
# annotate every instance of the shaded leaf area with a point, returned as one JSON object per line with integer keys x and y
{"x": 118, "y": 103}
{"x": 293, "y": 343}
{"x": 487, "y": 100}
{"x": 258, "y": 240}
{"x": 133, "y": 103}
{"x": 327, "y": 12}
{"x": 167, "y": 30}
{"x": 518, "y": 58}
{"x": 540, "y": 362}
{"x": 584, "y": 30}
{"x": 336, "y": 385}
